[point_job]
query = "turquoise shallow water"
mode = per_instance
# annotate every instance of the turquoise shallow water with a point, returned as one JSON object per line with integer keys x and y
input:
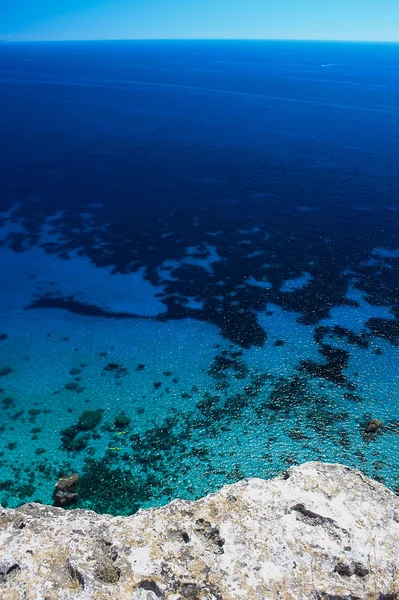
{"x": 176, "y": 410}
{"x": 199, "y": 266}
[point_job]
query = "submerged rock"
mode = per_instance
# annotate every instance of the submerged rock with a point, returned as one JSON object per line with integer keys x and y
{"x": 72, "y": 441}
{"x": 89, "y": 419}
{"x": 122, "y": 421}
{"x": 112, "y": 367}
{"x": 5, "y": 371}
{"x": 317, "y": 531}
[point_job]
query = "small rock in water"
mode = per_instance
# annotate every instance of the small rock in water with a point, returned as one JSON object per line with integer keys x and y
{"x": 373, "y": 426}
{"x": 65, "y": 492}
{"x": 67, "y": 484}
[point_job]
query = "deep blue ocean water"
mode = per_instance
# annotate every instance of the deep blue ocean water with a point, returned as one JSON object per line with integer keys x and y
{"x": 199, "y": 255}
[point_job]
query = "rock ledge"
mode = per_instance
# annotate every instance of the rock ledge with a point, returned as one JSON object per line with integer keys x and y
{"x": 318, "y": 531}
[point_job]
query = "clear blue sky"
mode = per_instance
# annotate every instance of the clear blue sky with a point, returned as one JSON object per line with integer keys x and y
{"x": 259, "y": 19}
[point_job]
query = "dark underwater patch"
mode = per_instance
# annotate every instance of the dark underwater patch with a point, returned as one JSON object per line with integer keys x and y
{"x": 361, "y": 340}
{"x": 385, "y": 328}
{"x": 337, "y": 362}
{"x": 106, "y": 488}
{"x": 76, "y": 307}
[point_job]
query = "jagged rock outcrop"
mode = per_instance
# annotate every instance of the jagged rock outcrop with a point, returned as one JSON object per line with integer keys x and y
{"x": 319, "y": 531}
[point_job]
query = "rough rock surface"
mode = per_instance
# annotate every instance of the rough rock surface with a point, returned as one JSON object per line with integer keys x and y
{"x": 318, "y": 531}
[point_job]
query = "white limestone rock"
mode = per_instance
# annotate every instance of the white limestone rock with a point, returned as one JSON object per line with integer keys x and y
{"x": 319, "y": 531}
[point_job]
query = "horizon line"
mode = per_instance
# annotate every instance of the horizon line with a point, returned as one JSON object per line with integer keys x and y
{"x": 66, "y": 40}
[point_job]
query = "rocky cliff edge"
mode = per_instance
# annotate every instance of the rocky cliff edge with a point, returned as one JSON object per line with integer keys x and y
{"x": 318, "y": 531}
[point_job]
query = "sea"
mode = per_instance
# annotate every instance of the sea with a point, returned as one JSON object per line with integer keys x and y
{"x": 199, "y": 265}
